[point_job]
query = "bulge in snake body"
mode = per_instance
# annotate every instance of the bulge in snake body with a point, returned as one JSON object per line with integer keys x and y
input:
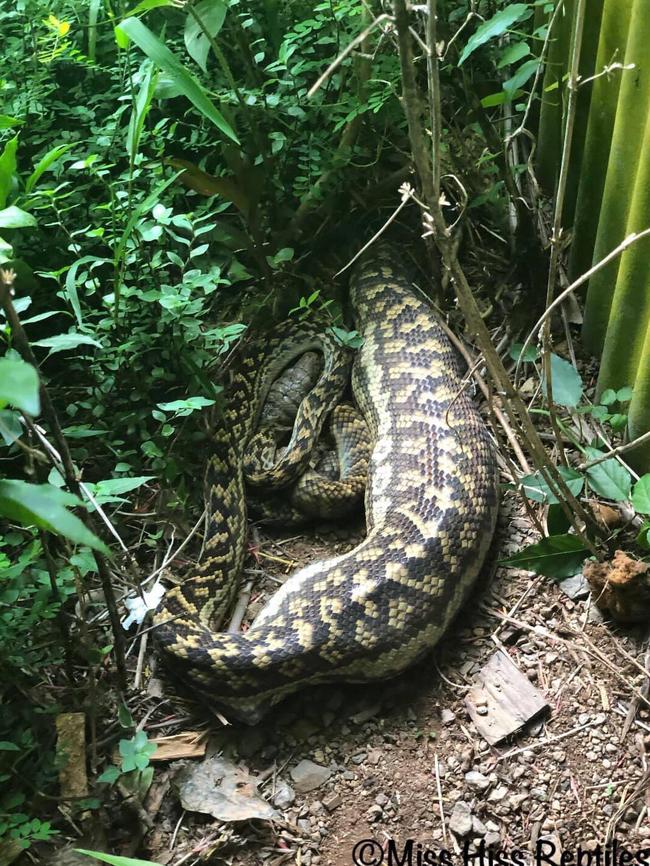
{"x": 431, "y": 503}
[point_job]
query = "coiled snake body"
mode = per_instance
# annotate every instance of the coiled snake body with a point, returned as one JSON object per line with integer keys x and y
{"x": 431, "y": 507}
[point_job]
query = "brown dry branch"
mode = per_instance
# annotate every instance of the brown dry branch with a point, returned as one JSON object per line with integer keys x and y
{"x": 21, "y": 343}
{"x": 427, "y": 163}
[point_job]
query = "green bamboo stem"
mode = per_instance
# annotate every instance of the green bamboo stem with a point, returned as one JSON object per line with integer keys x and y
{"x": 591, "y": 170}
{"x": 625, "y": 154}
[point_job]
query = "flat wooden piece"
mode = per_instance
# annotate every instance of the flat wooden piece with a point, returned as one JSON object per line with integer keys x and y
{"x": 502, "y": 700}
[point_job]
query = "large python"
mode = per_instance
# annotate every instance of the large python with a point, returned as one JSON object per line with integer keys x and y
{"x": 431, "y": 503}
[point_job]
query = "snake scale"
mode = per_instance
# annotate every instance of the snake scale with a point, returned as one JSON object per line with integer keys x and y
{"x": 431, "y": 504}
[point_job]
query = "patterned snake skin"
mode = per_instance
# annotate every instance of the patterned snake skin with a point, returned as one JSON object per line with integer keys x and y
{"x": 431, "y": 504}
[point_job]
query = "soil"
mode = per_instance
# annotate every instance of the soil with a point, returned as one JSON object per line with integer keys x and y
{"x": 402, "y": 760}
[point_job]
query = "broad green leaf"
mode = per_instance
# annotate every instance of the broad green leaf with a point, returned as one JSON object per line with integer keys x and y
{"x": 212, "y": 14}
{"x": 146, "y": 5}
{"x": 536, "y": 488}
{"x": 641, "y": 495}
{"x": 163, "y": 57}
{"x": 115, "y": 860}
{"x": 6, "y": 121}
{"x": 185, "y": 407}
{"x": 7, "y": 169}
{"x": 46, "y": 506}
{"x": 557, "y": 523}
{"x": 609, "y": 478}
{"x": 494, "y": 99}
{"x": 643, "y": 536}
{"x": 566, "y": 384}
{"x": 531, "y": 353}
{"x": 521, "y": 76}
{"x": 111, "y": 489}
{"x": 13, "y": 217}
{"x": 19, "y": 386}
{"x": 6, "y": 746}
{"x": 608, "y": 397}
{"x": 495, "y": 26}
{"x": 43, "y": 164}
{"x": 62, "y": 342}
{"x": 10, "y": 426}
{"x": 557, "y": 556}
{"x": 513, "y": 53}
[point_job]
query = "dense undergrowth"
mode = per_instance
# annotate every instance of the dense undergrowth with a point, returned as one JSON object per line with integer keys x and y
{"x": 169, "y": 174}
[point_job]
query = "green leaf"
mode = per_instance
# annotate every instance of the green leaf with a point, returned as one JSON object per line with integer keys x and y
{"x": 146, "y": 5}
{"x": 124, "y": 717}
{"x": 19, "y": 386}
{"x": 110, "y": 775}
{"x": 521, "y": 76}
{"x": 163, "y": 57}
{"x": 13, "y": 217}
{"x": 44, "y": 163}
{"x": 7, "y": 169}
{"x": 140, "y": 110}
{"x": 566, "y": 384}
{"x": 112, "y": 489}
{"x": 536, "y": 488}
{"x": 494, "y": 99}
{"x": 608, "y": 397}
{"x": 46, "y": 506}
{"x": 557, "y": 556}
{"x": 624, "y": 395}
{"x": 513, "y": 53}
{"x": 557, "y": 523}
{"x": 115, "y": 860}
{"x": 643, "y": 536}
{"x": 71, "y": 283}
{"x": 10, "y": 426}
{"x": 493, "y": 27}
{"x": 641, "y": 495}
{"x": 6, "y": 121}
{"x": 187, "y": 406}
{"x": 6, "y": 746}
{"x": 63, "y": 342}
{"x": 608, "y": 479}
{"x": 531, "y": 353}
{"x": 212, "y": 14}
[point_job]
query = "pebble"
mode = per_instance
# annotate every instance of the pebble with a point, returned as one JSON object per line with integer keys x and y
{"x": 359, "y": 758}
{"x": 447, "y": 717}
{"x": 284, "y": 796}
{"x": 498, "y": 794}
{"x": 308, "y": 776}
{"x": 332, "y": 803}
{"x": 492, "y": 838}
{"x": 460, "y": 821}
{"x": 477, "y": 781}
{"x": 478, "y": 827}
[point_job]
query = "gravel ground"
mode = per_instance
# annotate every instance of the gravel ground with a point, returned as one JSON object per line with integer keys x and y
{"x": 401, "y": 760}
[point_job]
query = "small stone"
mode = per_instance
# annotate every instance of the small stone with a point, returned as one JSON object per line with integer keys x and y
{"x": 583, "y": 718}
{"x": 374, "y": 813}
{"x": 447, "y": 717}
{"x": 492, "y": 838}
{"x": 498, "y": 794}
{"x": 478, "y": 827}
{"x": 374, "y": 757}
{"x": 348, "y": 776}
{"x": 308, "y": 776}
{"x": 284, "y": 796}
{"x": 460, "y": 821}
{"x": 359, "y": 758}
{"x": 365, "y": 714}
{"x": 382, "y": 800}
{"x": 575, "y": 587}
{"x": 332, "y": 802}
{"x": 516, "y": 800}
{"x": 316, "y": 808}
{"x": 482, "y": 711}
{"x": 539, "y": 794}
{"x": 477, "y": 781}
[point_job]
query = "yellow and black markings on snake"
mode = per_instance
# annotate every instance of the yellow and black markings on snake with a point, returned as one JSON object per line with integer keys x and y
{"x": 430, "y": 499}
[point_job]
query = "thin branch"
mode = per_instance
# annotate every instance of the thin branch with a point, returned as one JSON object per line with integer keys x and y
{"x": 334, "y": 65}
{"x": 625, "y": 243}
